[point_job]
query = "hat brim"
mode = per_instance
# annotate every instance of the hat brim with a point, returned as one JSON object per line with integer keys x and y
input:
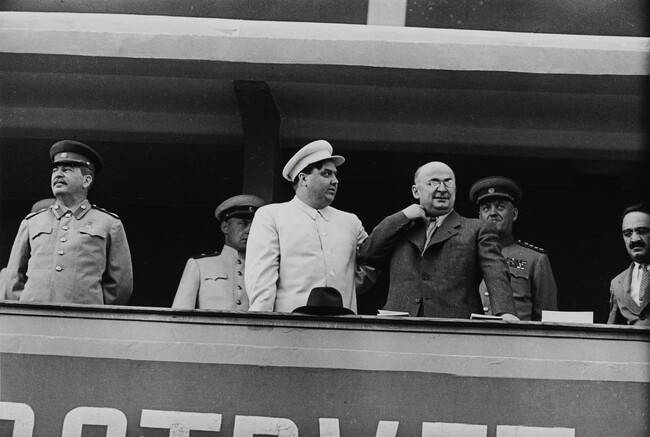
{"x": 324, "y": 311}
{"x": 489, "y": 196}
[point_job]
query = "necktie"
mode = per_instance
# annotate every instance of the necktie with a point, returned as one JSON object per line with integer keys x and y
{"x": 643, "y": 286}
{"x": 431, "y": 228}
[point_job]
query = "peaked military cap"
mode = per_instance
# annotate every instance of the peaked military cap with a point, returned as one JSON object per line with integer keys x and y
{"x": 74, "y": 152}
{"x": 315, "y": 151}
{"x": 495, "y": 187}
{"x": 243, "y": 205}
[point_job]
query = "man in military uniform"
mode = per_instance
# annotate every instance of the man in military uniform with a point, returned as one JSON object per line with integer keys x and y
{"x": 71, "y": 251}
{"x": 531, "y": 278}
{"x": 216, "y": 281}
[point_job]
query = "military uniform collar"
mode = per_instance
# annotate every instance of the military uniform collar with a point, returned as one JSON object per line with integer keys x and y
{"x": 507, "y": 241}
{"x": 60, "y": 210}
{"x": 312, "y": 212}
{"x": 229, "y": 252}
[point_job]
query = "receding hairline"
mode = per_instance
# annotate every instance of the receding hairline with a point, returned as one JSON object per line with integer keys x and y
{"x": 437, "y": 163}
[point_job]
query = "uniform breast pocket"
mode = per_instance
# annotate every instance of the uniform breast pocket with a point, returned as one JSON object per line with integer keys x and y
{"x": 92, "y": 243}
{"x": 93, "y": 232}
{"x": 38, "y": 230}
{"x": 216, "y": 277}
{"x": 519, "y": 274}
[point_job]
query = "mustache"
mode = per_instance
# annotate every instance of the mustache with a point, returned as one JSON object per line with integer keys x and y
{"x": 636, "y": 244}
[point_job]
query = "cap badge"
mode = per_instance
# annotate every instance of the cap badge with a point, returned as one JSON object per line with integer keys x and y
{"x": 490, "y": 190}
{"x": 64, "y": 155}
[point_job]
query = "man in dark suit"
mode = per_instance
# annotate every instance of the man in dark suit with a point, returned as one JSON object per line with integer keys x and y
{"x": 436, "y": 258}
{"x": 629, "y": 290}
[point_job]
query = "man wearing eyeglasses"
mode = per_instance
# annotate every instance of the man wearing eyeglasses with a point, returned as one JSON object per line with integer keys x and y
{"x": 629, "y": 290}
{"x": 435, "y": 257}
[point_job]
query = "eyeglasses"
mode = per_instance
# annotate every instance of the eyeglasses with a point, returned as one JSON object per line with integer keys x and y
{"x": 641, "y": 231}
{"x": 448, "y": 183}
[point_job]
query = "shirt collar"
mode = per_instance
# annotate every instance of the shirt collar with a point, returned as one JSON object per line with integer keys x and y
{"x": 312, "y": 212}
{"x": 60, "y": 210}
{"x": 441, "y": 218}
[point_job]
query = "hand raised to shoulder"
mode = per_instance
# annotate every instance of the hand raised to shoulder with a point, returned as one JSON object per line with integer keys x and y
{"x": 414, "y": 212}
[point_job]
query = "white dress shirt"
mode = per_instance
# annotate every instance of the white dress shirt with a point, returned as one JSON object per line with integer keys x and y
{"x": 293, "y": 248}
{"x": 635, "y": 283}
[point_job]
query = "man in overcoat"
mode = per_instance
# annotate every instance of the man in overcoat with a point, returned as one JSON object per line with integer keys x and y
{"x": 436, "y": 258}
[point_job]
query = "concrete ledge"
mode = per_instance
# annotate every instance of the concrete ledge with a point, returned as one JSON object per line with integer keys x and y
{"x": 266, "y": 42}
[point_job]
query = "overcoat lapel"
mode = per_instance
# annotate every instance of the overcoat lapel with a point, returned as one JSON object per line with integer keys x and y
{"x": 417, "y": 234}
{"x": 450, "y": 227}
{"x": 447, "y": 229}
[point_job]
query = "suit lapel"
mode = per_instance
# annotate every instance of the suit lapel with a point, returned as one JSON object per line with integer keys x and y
{"x": 623, "y": 292}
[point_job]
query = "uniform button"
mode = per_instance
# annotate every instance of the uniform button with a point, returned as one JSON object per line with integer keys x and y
{"x": 239, "y": 287}
{"x": 83, "y": 206}
{"x": 485, "y": 308}
{"x": 332, "y": 273}
{"x": 68, "y": 214}
{"x": 65, "y": 228}
{"x": 60, "y": 252}
{"x": 239, "y": 273}
{"x": 418, "y": 300}
{"x": 425, "y": 277}
{"x": 63, "y": 240}
{"x": 324, "y": 233}
{"x": 238, "y": 261}
{"x": 56, "y": 206}
{"x": 238, "y": 302}
{"x": 486, "y": 293}
{"x": 58, "y": 268}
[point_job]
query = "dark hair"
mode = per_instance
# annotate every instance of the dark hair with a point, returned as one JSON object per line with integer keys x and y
{"x": 310, "y": 168}
{"x": 637, "y": 207}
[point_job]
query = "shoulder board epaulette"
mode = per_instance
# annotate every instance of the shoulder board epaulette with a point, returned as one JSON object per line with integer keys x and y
{"x": 32, "y": 214}
{"x": 112, "y": 214}
{"x": 205, "y": 255}
{"x": 530, "y": 246}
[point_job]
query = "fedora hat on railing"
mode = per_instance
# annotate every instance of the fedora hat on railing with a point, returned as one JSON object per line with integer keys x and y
{"x": 324, "y": 301}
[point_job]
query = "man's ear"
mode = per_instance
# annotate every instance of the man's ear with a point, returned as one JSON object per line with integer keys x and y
{"x": 224, "y": 226}
{"x": 415, "y": 191}
{"x": 515, "y": 214}
{"x": 88, "y": 181}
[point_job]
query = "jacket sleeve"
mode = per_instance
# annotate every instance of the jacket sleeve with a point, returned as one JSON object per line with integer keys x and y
{"x": 262, "y": 262}
{"x": 188, "y": 289}
{"x": 495, "y": 270}
{"x": 117, "y": 281}
{"x": 615, "y": 317}
{"x": 16, "y": 272}
{"x": 544, "y": 290}
{"x": 376, "y": 250}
